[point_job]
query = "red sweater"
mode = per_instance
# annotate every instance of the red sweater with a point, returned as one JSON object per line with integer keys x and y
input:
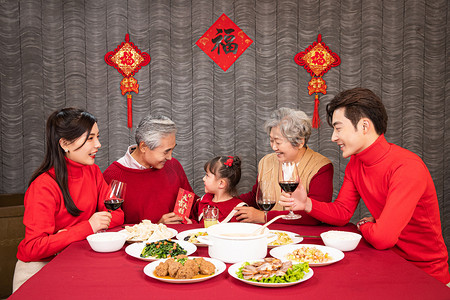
{"x": 46, "y": 214}
{"x": 398, "y": 190}
{"x": 224, "y": 207}
{"x": 320, "y": 188}
{"x": 150, "y": 193}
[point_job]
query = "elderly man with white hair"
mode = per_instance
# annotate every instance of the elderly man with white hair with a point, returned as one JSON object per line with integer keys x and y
{"x": 153, "y": 177}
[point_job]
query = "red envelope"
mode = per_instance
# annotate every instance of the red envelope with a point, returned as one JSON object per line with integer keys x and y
{"x": 183, "y": 204}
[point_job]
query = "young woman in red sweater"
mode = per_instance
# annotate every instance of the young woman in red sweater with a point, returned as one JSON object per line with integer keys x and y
{"x": 393, "y": 182}
{"x": 64, "y": 201}
{"x": 222, "y": 176}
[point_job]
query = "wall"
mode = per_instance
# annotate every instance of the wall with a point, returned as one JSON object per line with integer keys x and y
{"x": 51, "y": 56}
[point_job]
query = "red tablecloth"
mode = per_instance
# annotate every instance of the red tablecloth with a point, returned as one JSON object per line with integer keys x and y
{"x": 365, "y": 273}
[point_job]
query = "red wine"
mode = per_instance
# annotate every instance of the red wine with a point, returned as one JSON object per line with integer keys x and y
{"x": 113, "y": 204}
{"x": 288, "y": 186}
{"x": 266, "y": 206}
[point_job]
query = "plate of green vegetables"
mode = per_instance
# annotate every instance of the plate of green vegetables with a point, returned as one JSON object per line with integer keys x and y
{"x": 161, "y": 249}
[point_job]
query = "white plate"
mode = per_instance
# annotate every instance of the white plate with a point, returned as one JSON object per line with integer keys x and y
{"x": 295, "y": 239}
{"x": 282, "y": 251}
{"x": 135, "y": 250}
{"x": 174, "y": 233}
{"x": 190, "y": 232}
{"x": 235, "y": 267}
{"x": 150, "y": 268}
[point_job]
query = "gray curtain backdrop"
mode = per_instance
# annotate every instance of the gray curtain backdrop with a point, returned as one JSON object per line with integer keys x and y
{"x": 51, "y": 56}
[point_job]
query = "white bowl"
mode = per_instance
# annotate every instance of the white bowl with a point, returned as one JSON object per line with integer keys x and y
{"x": 106, "y": 241}
{"x": 230, "y": 243}
{"x": 342, "y": 240}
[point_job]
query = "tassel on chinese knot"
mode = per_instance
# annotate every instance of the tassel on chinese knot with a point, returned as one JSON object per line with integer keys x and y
{"x": 317, "y": 59}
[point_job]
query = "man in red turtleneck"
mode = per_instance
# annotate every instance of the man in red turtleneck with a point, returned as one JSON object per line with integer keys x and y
{"x": 393, "y": 182}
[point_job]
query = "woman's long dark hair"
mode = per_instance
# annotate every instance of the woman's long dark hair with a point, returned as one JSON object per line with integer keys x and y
{"x": 68, "y": 124}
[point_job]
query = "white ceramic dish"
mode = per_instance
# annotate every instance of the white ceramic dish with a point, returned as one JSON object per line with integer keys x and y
{"x": 282, "y": 252}
{"x": 180, "y": 236}
{"x": 150, "y": 268}
{"x": 295, "y": 239}
{"x": 231, "y": 242}
{"x": 235, "y": 267}
{"x": 342, "y": 240}
{"x": 106, "y": 241}
{"x": 130, "y": 240}
{"x": 135, "y": 250}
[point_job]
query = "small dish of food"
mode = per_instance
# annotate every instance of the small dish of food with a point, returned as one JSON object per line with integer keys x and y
{"x": 315, "y": 255}
{"x": 284, "y": 238}
{"x": 192, "y": 235}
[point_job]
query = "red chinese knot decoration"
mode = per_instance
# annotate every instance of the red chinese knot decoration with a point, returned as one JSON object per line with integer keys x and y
{"x": 128, "y": 60}
{"x": 317, "y": 59}
{"x": 224, "y": 42}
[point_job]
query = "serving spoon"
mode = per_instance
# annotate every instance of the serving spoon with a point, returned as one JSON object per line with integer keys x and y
{"x": 261, "y": 229}
{"x": 257, "y": 231}
{"x": 231, "y": 214}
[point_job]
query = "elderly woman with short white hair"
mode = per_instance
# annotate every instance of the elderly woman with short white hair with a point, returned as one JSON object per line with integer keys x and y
{"x": 152, "y": 175}
{"x": 289, "y": 131}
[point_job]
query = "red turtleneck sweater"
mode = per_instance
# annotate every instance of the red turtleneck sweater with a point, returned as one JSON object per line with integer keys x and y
{"x": 46, "y": 214}
{"x": 399, "y": 192}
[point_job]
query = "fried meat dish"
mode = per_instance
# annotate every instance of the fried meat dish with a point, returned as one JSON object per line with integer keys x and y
{"x": 186, "y": 270}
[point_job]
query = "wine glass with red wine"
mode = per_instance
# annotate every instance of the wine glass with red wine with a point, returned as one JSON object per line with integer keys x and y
{"x": 288, "y": 179}
{"x": 265, "y": 197}
{"x": 115, "y": 195}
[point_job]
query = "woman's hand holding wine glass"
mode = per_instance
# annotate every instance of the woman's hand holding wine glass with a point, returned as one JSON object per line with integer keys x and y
{"x": 114, "y": 198}
{"x": 115, "y": 195}
{"x": 288, "y": 179}
{"x": 100, "y": 221}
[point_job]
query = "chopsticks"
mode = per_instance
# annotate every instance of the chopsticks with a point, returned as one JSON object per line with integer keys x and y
{"x": 308, "y": 236}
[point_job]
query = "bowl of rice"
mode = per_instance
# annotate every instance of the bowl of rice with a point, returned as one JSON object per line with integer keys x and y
{"x": 106, "y": 241}
{"x": 342, "y": 240}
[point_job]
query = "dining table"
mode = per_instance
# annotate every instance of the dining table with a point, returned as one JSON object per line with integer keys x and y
{"x": 78, "y": 272}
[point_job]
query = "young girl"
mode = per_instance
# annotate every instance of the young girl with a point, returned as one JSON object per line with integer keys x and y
{"x": 64, "y": 200}
{"x": 222, "y": 175}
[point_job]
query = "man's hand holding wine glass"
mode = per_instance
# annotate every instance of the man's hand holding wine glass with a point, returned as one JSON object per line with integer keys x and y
{"x": 289, "y": 180}
{"x": 298, "y": 200}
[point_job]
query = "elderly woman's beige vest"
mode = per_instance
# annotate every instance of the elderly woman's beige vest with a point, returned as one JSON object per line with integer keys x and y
{"x": 309, "y": 165}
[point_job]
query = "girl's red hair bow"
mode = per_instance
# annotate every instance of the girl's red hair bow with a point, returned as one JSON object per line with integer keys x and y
{"x": 229, "y": 161}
